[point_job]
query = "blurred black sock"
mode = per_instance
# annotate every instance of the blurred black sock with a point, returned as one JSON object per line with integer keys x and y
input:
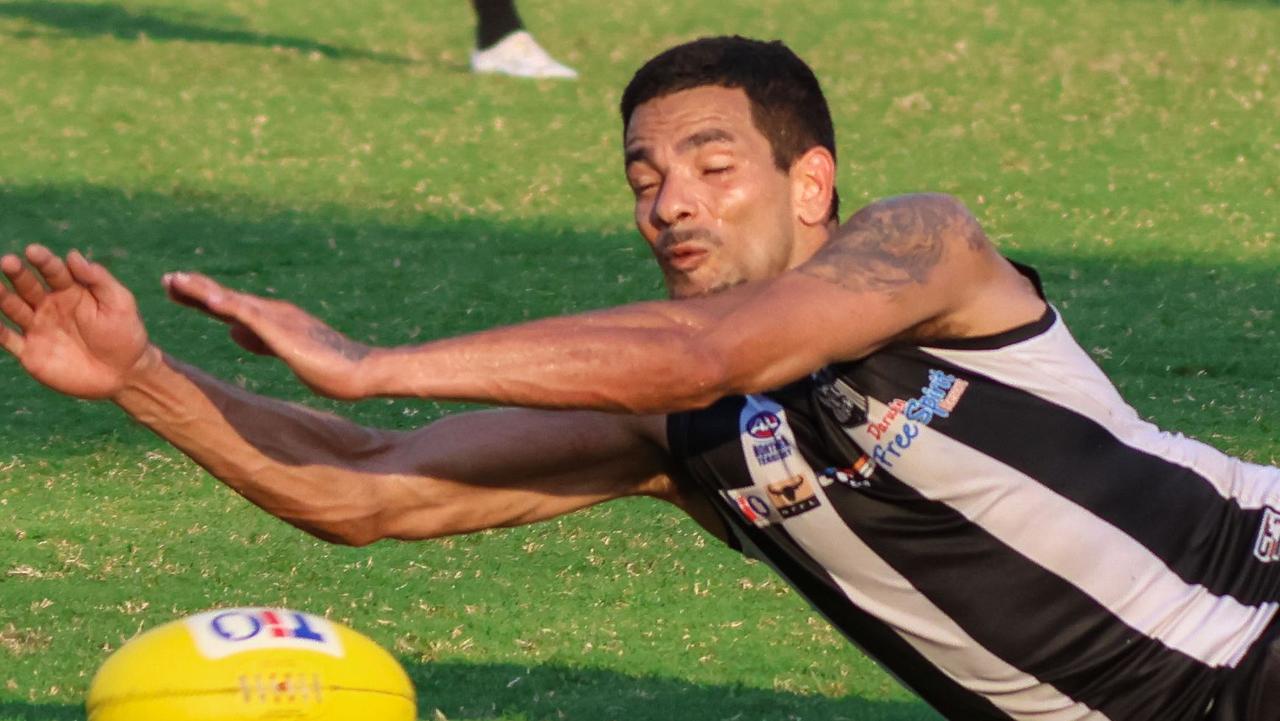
{"x": 495, "y": 19}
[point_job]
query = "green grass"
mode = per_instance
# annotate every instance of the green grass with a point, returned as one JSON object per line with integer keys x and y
{"x": 339, "y": 155}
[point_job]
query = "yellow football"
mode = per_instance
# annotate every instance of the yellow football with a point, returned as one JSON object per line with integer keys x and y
{"x": 243, "y": 664}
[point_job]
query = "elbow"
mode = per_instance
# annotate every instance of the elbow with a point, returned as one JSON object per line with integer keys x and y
{"x": 399, "y": 509}
{"x": 354, "y": 518}
{"x": 354, "y": 532}
{"x": 359, "y": 540}
{"x": 358, "y": 533}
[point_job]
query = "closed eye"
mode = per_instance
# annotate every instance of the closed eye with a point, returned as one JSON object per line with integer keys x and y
{"x": 641, "y": 180}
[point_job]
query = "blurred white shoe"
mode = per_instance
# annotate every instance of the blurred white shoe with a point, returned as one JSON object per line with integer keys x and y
{"x": 519, "y": 55}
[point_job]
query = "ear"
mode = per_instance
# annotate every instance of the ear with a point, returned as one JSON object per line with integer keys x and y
{"x": 813, "y": 182}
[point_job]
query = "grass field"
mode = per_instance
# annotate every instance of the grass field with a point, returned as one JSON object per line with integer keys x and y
{"x": 339, "y": 155}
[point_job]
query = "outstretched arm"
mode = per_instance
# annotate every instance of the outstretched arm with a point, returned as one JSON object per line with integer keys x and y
{"x": 907, "y": 268}
{"x": 76, "y": 329}
{"x": 354, "y": 485}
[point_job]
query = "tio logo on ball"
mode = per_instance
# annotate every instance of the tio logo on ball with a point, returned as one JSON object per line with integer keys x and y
{"x": 218, "y": 634}
{"x": 244, "y": 625}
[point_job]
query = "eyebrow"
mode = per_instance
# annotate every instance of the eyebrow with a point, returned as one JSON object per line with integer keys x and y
{"x": 703, "y": 137}
{"x": 691, "y": 142}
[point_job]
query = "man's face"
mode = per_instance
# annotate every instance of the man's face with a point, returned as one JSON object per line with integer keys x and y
{"x": 710, "y": 201}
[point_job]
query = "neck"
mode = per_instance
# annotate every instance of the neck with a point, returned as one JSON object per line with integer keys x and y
{"x": 810, "y": 238}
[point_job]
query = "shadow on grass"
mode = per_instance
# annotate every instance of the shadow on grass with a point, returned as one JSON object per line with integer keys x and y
{"x": 20, "y": 711}
{"x": 78, "y": 19}
{"x": 552, "y": 692}
{"x": 464, "y": 691}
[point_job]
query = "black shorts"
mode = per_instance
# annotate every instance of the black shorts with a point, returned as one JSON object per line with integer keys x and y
{"x": 1253, "y": 691}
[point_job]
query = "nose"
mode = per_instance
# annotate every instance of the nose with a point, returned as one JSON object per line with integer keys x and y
{"x": 674, "y": 203}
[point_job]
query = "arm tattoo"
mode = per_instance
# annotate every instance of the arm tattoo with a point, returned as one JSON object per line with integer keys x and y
{"x": 338, "y": 342}
{"x": 894, "y": 243}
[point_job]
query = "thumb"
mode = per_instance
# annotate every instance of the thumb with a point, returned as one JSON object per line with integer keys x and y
{"x": 98, "y": 280}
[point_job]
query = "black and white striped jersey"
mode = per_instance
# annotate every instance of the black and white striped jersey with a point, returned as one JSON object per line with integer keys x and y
{"x": 994, "y": 524}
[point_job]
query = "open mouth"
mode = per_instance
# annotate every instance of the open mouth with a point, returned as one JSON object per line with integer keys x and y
{"x": 686, "y": 257}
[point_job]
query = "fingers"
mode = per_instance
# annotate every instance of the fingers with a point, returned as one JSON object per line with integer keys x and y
{"x": 29, "y": 286}
{"x": 239, "y": 310}
{"x": 50, "y": 266}
{"x": 25, "y": 283}
{"x": 15, "y": 309}
{"x": 175, "y": 287}
{"x": 44, "y": 268}
{"x": 12, "y": 305}
{"x": 206, "y": 295}
{"x": 10, "y": 340}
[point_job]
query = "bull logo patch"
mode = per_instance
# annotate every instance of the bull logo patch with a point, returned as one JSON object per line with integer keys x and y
{"x": 792, "y": 496}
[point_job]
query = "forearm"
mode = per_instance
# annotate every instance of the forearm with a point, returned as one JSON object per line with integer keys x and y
{"x": 644, "y": 358}
{"x": 309, "y": 469}
{"x": 350, "y": 484}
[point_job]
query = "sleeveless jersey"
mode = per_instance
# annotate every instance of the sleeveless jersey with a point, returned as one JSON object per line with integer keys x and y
{"x": 991, "y": 521}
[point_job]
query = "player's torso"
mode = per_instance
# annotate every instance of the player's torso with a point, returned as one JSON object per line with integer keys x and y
{"x": 999, "y": 528}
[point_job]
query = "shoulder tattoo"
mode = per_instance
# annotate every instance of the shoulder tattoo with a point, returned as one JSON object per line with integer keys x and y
{"x": 894, "y": 243}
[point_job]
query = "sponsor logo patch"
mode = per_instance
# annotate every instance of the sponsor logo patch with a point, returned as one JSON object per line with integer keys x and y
{"x": 893, "y": 449}
{"x": 856, "y": 476}
{"x": 880, "y": 427}
{"x": 846, "y": 405}
{"x": 938, "y": 398}
{"x": 1267, "y": 547}
{"x": 792, "y": 496}
{"x": 752, "y": 505}
{"x": 219, "y": 634}
{"x": 764, "y": 425}
{"x": 768, "y": 442}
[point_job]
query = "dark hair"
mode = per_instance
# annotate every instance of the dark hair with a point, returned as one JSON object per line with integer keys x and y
{"x": 787, "y": 104}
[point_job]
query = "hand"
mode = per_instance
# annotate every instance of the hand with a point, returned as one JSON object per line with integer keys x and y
{"x": 322, "y": 358}
{"x": 77, "y": 328}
